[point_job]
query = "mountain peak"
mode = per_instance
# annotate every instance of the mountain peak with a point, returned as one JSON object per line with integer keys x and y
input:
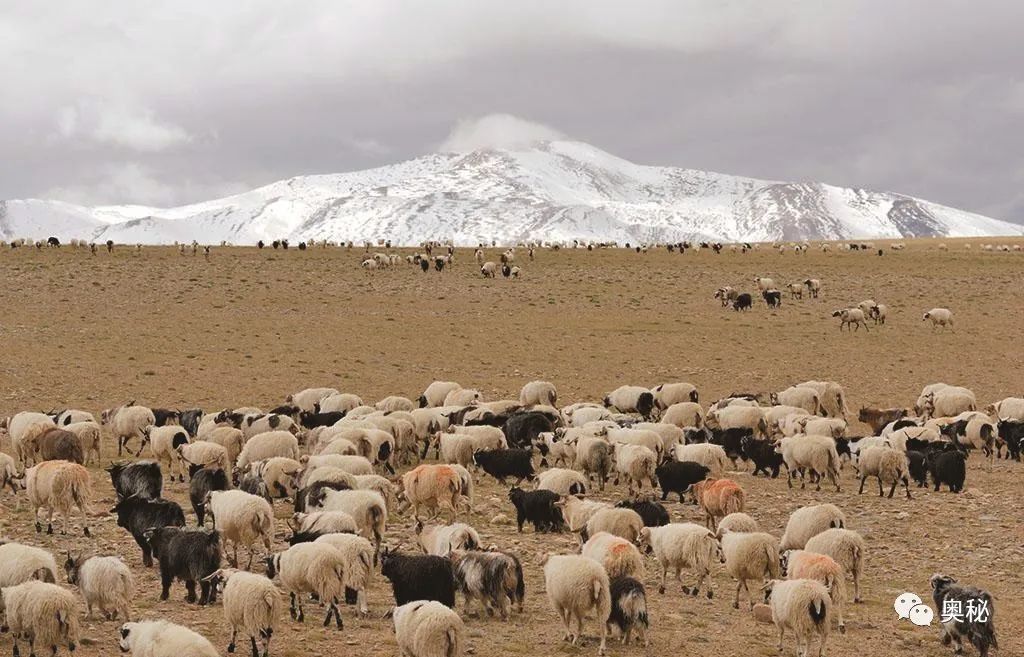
{"x": 541, "y": 190}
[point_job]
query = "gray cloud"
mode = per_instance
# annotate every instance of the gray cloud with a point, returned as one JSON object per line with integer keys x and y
{"x": 166, "y": 104}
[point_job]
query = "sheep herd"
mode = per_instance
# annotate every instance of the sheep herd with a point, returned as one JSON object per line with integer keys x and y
{"x": 349, "y": 469}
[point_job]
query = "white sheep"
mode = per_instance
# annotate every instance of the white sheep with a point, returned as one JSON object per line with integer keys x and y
{"x": 340, "y": 402}
{"x": 670, "y": 434}
{"x": 20, "y": 563}
{"x": 368, "y": 508}
{"x": 683, "y": 545}
{"x": 577, "y": 512}
{"x": 737, "y": 522}
{"x": 489, "y": 269}
{"x": 89, "y": 432}
{"x": 581, "y": 415}
{"x": 440, "y": 540}
{"x": 352, "y": 464}
{"x": 813, "y": 286}
{"x": 254, "y": 425}
{"x": 847, "y": 548}
{"x": 427, "y": 628}
{"x": 105, "y": 582}
{"x": 436, "y": 392}
{"x": 562, "y": 481}
{"x": 127, "y": 422}
{"x": 159, "y": 638}
{"x": 594, "y": 458}
{"x": 357, "y": 556}
{"x": 9, "y": 474}
{"x": 804, "y": 607}
{"x": 816, "y": 454}
{"x": 324, "y": 522}
{"x": 46, "y": 614}
{"x": 852, "y": 318}
{"x": 380, "y": 485}
{"x": 553, "y": 450}
{"x": 631, "y": 399}
{"x": 800, "y": 397}
{"x": 73, "y": 416}
{"x": 163, "y": 443}
{"x": 308, "y": 399}
{"x": 454, "y": 448}
{"x": 809, "y": 521}
{"x": 268, "y": 445}
{"x": 831, "y": 395}
{"x": 939, "y": 317}
{"x": 617, "y": 555}
{"x": 750, "y": 556}
{"x": 279, "y": 473}
{"x": 462, "y": 397}
{"x": 394, "y": 403}
{"x": 764, "y": 283}
{"x": 668, "y": 394}
{"x": 622, "y": 522}
{"x": 577, "y": 586}
{"x": 801, "y": 564}
{"x": 59, "y": 485}
{"x": 711, "y": 456}
{"x": 315, "y": 568}
{"x": 739, "y": 417}
{"x": 636, "y": 464}
{"x": 252, "y": 604}
{"x": 18, "y": 426}
{"x": 538, "y": 392}
{"x": 241, "y": 518}
{"x": 684, "y": 414}
{"x": 888, "y": 464}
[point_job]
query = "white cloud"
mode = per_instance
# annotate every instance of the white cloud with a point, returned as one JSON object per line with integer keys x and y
{"x": 136, "y": 129}
{"x": 496, "y": 131}
{"x": 135, "y": 183}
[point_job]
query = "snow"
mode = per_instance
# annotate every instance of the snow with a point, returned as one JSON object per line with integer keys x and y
{"x": 558, "y": 190}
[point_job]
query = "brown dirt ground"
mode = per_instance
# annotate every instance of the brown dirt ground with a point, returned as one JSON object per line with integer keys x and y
{"x": 248, "y": 327}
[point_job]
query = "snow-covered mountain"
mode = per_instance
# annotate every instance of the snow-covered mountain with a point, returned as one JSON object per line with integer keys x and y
{"x": 556, "y": 191}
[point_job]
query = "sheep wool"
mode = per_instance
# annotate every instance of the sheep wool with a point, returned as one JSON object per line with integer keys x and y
{"x": 616, "y": 554}
{"x": 808, "y": 521}
{"x": 160, "y": 638}
{"x": 802, "y": 606}
{"x": 427, "y": 628}
{"x": 576, "y": 587}
{"x": 682, "y": 545}
{"x": 44, "y": 612}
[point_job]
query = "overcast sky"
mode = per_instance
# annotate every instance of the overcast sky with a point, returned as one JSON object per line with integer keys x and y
{"x": 166, "y": 103}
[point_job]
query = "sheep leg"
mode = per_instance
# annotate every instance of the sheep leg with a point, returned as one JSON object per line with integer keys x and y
{"x": 664, "y": 574}
{"x": 231, "y": 643}
{"x": 704, "y": 574}
{"x": 736, "y": 601}
{"x": 564, "y": 615}
{"x": 862, "y": 480}
{"x": 85, "y": 520}
{"x": 604, "y": 636}
{"x": 190, "y": 591}
{"x": 782, "y": 633}
{"x": 49, "y": 520}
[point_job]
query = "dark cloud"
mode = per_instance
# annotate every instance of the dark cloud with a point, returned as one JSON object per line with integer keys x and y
{"x": 188, "y": 101}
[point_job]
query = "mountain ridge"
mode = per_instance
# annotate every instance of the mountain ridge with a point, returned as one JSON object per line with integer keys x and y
{"x": 555, "y": 191}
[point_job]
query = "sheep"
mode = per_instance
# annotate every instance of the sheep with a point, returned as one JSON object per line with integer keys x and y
{"x": 594, "y": 457}
{"x": 739, "y": 417}
{"x": 562, "y": 481}
{"x": 204, "y": 454}
{"x": 241, "y": 518}
{"x": 846, "y": 547}
{"x": 310, "y": 568}
{"x": 718, "y": 498}
{"x": 454, "y": 448}
{"x": 804, "y": 607}
{"x": 105, "y": 582}
{"x": 684, "y": 414}
{"x": 537, "y": 507}
{"x": 435, "y": 393}
{"x": 394, "y": 403}
{"x": 629, "y": 608}
{"x": 251, "y": 604}
{"x": 351, "y": 464}
{"x": 127, "y": 422}
{"x": 750, "y": 556}
{"x": 538, "y": 393}
{"x": 89, "y": 433}
{"x": 21, "y": 563}
{"x": 428, "y": 629}
{"x": 852, "y": 318}
{"x": 383, "y": 486}
{"x": 947, "y": 402}
{"x": 558, "y": 451}
{"x": 878, "y": 418}
{"x": 367, "y": 507}
{"x": 357, "y": 556}
{"x": 813, "y": 286}
{"x": 419, "y": 577}
{"x": 339, "y": 402}
{"x": 163, "y": 639}
{"x": 712, "y": 457}
{"x": 308, "y": 399}
{"x": 504, "y": 463}
{"x": 59, "y": 485}
{"x": 670, "y": 435}
{"x": 54, "y": 444}
{"x": 164, "y": 443}
{"x": 462, "y": 397}
{"x": 885, "y": 463}
{"x": 577, "y": 586}
{"x": 9, "y": 474}
{"x": 616, "y": 554}
{"x": 823, "y": 426}
{"x": 576, "y": 512}
{"x": 433, "y": 486}
{"x": 493, "y": 577}
{"x": 947, "y": 467}
{"x": 631, "y": 399}
{"x": 801, "y": 564}
{"x": 254, "y": 425}
{"x": 19, "y": 427}
{"x": 737, "y": 522}
{"x": 484, "y": 436}
{"x": 764, "y": 284}
{"x": 268, "y": 445}
{"x": 682, "y": 545}
{"x": 878, "y": 313}
{"x": 230, "y": 438}
{"x": 279, "y": 473}
{"x": 677, "y": 477}
{"x": 584, "y": 414}
{"x": 71, "y": 416}
{"x": 726, "y": 295}
{"x": 139, "y": 514}
{"x": 939, "y": 317}
{"x": 43, "y": 613}
{"x": 521, "y": 428}
{"x": 489, "y": 269}
{"x": 440, "y": 540}
{"x": 651, "y": 512}
{"x": 809, "y": 521}
{"x": 310, "y": 526}
{"x": 204, "y": 482}
{"x": 668, "y": 394}
{"x": 815, "y": 453}
{"x": 802, "y": 397}
{"x": 742, "y": 302}
{"x": 981, "y": 632}
{"x": 190, "y": 555}
{"x": 636, "y": 464}
{"x": 624, "y": 523}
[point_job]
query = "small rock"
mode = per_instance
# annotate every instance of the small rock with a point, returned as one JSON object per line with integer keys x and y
{"x": 501, "y": 519}
{"x": 762, "y": 613}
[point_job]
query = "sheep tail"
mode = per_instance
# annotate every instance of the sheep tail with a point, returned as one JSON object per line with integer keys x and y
{"x": 772, "y": 561}
{"x": 817, "y": 610}
{"x": 452, "y": 636}
{"x": 44, "y": 575}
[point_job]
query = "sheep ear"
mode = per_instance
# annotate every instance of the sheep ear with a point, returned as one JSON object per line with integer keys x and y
{"x": 390, "y": 613}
